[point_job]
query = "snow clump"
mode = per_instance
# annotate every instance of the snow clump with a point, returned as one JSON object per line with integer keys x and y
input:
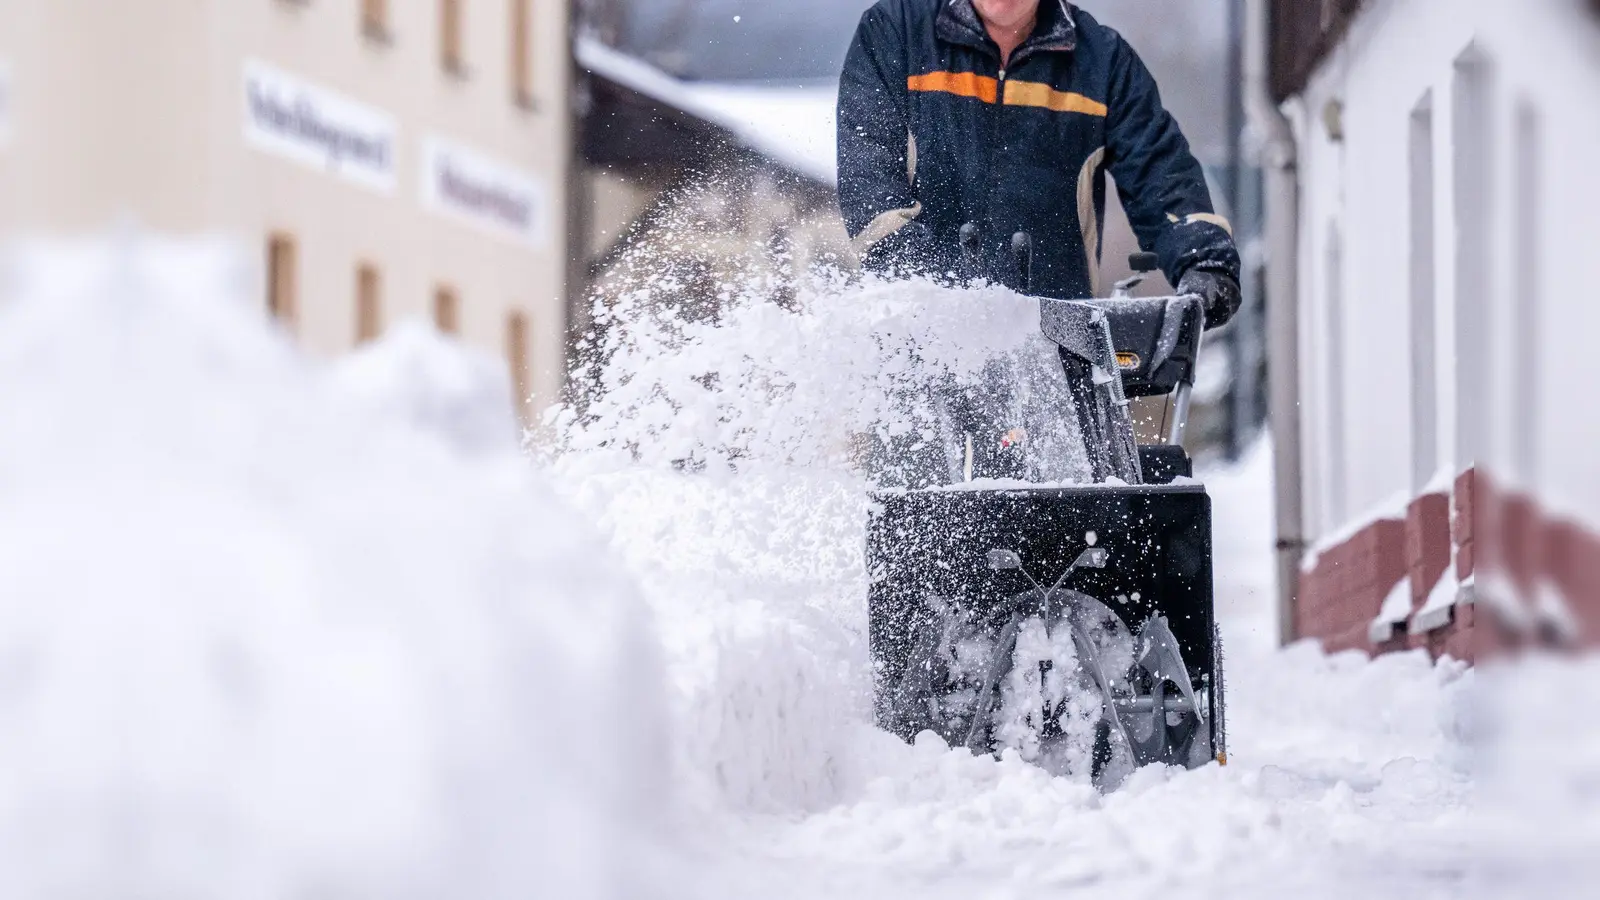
{"x": 274, "y": 629}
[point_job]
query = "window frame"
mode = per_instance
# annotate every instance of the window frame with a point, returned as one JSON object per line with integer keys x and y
{"x": 375, "y": 22}
{"x": 1424, "y": 294}
{"x": 524, "y": 79}
{"x": 369, "y": 303}
{"x": 283, "y": 278}
{"x": 453, "y": 37}
{"x": 519, "y": 358}
{"x": 447, "y": 310}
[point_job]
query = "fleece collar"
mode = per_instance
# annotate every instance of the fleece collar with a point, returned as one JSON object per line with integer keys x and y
{"x": 958, "y": 23}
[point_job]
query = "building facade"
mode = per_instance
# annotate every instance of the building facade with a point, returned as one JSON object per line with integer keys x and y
{"x": 1447, "y": 205}
{"x": 389, "y": 158}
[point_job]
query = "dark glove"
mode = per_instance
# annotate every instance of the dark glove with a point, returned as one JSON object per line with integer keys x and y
{"x": 1218, "y": 293}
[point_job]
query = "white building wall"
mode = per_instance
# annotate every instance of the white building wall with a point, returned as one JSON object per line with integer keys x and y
{"x": 1546, "y": 55}
{"x": 138, "y": 109}
{"x": 1555, "y": 60}
{"x": 7, "y": 111}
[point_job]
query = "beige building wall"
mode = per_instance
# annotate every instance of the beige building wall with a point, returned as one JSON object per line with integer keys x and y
{"x": 122, "y": 109}
{"x": 7, "y": 103}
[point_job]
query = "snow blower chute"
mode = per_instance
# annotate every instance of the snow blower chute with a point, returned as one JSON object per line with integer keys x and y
{"x": 1072, "y": 623}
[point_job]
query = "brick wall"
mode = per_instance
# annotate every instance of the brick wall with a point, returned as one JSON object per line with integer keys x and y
{"x": 1509, "y": 551}
{"x": 1572, "y": 561}
{"x": 1344, "y": 591}
{"x": 1523, "y": 554}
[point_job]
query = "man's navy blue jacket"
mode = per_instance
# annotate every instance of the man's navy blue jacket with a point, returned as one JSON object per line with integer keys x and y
{"x": 933, "y": 134}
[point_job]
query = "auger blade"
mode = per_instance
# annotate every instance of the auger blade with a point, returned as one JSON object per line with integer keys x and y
{"x": 1159, "y": 655}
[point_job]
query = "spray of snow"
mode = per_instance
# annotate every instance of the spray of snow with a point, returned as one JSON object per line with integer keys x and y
{"x": 756, "y": 384}
{"x": 271, "y": 629}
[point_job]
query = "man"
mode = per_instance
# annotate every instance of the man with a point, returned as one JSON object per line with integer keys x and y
{"x": 1007, "y": 114}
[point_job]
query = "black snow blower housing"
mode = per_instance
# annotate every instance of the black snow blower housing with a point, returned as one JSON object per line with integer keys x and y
{"x": 1074, "y": 624}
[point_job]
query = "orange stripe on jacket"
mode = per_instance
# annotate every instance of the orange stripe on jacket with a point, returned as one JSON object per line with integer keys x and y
{"x": 1032, "y": 93}
{"x": 962, "y": 84}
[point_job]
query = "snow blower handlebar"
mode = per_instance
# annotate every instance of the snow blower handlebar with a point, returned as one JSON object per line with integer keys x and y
{"x": 1155, "y": 341}
{"x": 1114, "y": 349}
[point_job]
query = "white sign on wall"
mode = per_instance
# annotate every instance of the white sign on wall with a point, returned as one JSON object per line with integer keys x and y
{"x": 289, "y": 117}
{"x": 467, "y": 185}
{"x": 5, "y": 103}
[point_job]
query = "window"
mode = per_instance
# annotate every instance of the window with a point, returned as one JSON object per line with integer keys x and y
{"x": 517, "y": 358}
{"x": 1472, "y": 138}
{"x": 450, "y": 36}
{"x": 1424, "y": 374}
{"x": 375, "y": 18}
{"x": 281, "y": 275}
{"x": 1335, "y": 434}
{"x": 1529, "y": 299}
{"x": 522, "y": 52}
{"x": 369, "y": 303}
{"x": 447, "y": 310}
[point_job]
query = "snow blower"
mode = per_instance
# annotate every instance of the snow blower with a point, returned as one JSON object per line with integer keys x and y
{"x": 1115, "y": 664}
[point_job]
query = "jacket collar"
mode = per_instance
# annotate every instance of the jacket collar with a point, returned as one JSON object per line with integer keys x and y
{"x": 958, "y": 23}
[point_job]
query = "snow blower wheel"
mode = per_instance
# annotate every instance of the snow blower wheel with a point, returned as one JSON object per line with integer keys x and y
{"x": 968, "y": 645}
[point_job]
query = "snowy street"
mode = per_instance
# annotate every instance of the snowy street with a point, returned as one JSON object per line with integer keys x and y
{"x": 1343, "y": 774}
{"x": 335, "y": 626}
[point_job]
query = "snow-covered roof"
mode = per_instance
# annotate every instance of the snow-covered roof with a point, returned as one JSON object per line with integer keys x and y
{"x": 792, "y": 126}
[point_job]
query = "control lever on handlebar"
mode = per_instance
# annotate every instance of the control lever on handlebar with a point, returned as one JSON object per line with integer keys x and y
{"x": 969, "y": 242}
{"x": 971, "y": 238}
{"x": 1022, "y": 252}
{"x": 1142, "y": 265}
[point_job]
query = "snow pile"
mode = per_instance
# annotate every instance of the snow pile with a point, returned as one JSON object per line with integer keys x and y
{"x": 755, "y": 584}
{"x": 1313, "y": 807}
{"x": 268, "y": 630}
{"x": 416, "y": 374}
{"x": 1539, "y": 758}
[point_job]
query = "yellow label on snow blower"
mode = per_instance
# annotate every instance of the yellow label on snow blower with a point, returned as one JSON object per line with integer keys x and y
{"x": 1127, "y": 360}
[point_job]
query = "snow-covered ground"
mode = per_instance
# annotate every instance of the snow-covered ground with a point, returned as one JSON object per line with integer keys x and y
{"x": 272, "y": 627}
{"x": 1346, "y": 775}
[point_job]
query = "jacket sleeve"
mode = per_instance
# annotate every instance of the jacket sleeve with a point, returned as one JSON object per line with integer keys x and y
{"x": 1162, "y": 186}
{"x": 877, "y": 193}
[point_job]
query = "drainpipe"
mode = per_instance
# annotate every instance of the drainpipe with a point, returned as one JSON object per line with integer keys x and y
{"x": 576, "y": 105}
{"x": 1281, "y": 243}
